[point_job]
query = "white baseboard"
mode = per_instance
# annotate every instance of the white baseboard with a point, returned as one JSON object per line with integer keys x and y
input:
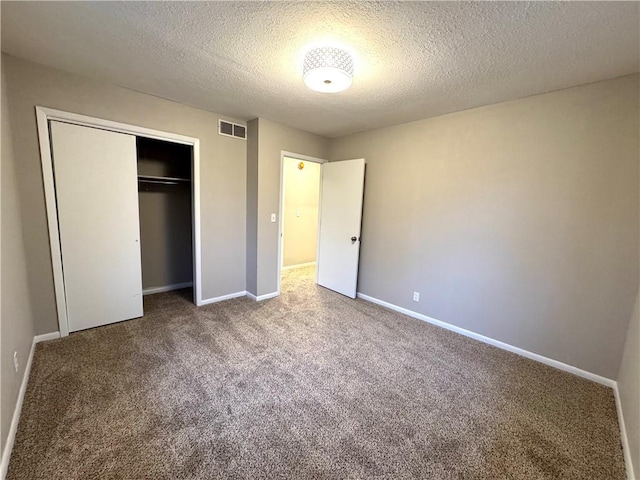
{"x": 623, "y": 436}
{"x": 222, "y": 298}
{"x": 166, "y": 288}
{"x": 11, "y": 437}
{"x": 299, "y": 265}
{"x": 496, "y": 343}
{"x": 266, "y": 296}
{"x": 46, "y": 336}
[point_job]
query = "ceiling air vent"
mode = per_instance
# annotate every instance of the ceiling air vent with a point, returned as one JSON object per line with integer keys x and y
{"x": 229, "y": 129}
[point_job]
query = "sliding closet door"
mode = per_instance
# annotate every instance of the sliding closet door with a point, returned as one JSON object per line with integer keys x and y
{"x": 97, "y": 197}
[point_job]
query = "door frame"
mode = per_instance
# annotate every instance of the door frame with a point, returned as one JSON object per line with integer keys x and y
{"x": 303, "y": 158}
{"x": 43, "y": 116}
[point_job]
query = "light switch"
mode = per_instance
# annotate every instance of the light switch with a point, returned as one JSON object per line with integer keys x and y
{"x": 273, "y": 218}
{"x": 297, "y": 213}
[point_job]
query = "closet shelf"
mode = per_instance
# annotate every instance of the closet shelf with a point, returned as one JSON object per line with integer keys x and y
{"x": 162, "y": 180}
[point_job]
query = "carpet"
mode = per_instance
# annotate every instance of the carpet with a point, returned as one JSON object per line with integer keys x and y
{"x": 307, "y": 385}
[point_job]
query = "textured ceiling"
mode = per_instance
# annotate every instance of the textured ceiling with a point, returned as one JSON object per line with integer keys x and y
{"x": 413, "y": 60}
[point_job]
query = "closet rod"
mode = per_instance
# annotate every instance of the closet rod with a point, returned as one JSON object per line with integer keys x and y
{"x": 162, "y": 180}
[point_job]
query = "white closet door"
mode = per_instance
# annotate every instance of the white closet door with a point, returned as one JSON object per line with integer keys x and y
{"x": 97, "y": 197}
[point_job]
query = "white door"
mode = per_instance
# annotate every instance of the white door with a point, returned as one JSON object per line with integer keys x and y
{"x": 340, "y": 219}
{"x": 95, "y": 175}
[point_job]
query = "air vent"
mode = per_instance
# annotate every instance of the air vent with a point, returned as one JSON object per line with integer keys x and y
{"x": 229, "y": 129}
{"x": 239, "y": 131}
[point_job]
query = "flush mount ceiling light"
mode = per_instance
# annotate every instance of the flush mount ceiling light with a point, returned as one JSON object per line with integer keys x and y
{"x": 328, "y": 69}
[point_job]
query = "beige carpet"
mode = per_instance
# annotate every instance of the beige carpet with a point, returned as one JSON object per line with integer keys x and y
{"x": 308, "y": 385}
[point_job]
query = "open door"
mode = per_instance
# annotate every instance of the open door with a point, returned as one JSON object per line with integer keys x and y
{"x": 340, "y": 218}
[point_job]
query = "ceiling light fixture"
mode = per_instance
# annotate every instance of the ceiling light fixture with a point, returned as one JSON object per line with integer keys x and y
{"x": 328, "y": 69}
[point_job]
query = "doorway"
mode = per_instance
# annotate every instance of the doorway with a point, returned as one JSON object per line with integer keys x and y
{"x": 166, "y": 213}
{"x": 299, "y": 213}
{"x": 332, "y": 200}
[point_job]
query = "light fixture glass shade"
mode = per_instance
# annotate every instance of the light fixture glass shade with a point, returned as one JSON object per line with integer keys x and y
{"x": 328, "y": 70}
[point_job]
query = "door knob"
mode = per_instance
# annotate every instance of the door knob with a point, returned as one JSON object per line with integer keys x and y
{"x": 353, "y": 239}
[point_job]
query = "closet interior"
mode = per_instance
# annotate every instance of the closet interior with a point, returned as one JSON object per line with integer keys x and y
{"x": 165, "y": 209}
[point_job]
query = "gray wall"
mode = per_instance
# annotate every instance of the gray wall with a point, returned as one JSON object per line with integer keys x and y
{"x": 518, "y": 221}
{"x": 17, "y": 328}
{"x": 629, "y": 387}
{"x": 222, "y": 172}
{"x": 252, "y": 206}
{"x": 272, "y": 139}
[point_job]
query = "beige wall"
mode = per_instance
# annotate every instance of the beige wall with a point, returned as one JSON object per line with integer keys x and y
{"x": 272, "y": 139}
{"x": 518, "y": 221}
{"x": 16, "y": 329}
{"x": 629, "y": 387}
{"x": 300, "y": 213}
{"x": 222, "y": 172}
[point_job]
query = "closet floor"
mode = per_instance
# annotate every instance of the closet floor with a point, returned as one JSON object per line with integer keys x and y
{"x": 307, "y": 385}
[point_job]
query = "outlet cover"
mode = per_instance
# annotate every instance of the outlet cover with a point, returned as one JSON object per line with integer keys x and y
{"x": 416, "y": 296}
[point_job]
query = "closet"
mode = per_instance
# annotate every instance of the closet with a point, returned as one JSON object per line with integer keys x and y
{"x": 165, "y": 203}
{"x": 124, "y": 216}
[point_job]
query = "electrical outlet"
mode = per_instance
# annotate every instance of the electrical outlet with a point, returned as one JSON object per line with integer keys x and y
{"x": 416, "y": 296}
{"x": 15, "y": 361}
